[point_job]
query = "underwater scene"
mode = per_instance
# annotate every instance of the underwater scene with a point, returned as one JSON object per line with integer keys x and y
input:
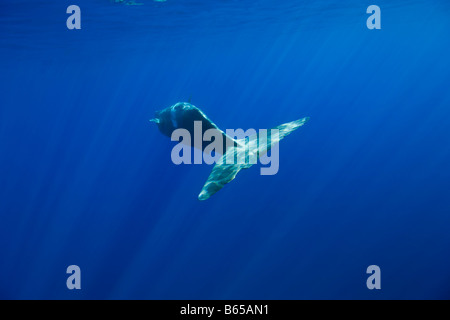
{"x": 347, "y": 109}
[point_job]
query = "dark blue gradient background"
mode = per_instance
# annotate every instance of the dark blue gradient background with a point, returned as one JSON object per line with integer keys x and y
{"x": 85, "y": 179}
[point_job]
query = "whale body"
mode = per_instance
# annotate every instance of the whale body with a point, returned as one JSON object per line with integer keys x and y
{"x": 183, "y": 115}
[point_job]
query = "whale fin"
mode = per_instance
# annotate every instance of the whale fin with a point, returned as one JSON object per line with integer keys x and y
{"x": 224, "y": 173}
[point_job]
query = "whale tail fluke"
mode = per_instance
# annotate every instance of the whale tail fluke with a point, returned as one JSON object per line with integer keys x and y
{"x": 243, "y": 156}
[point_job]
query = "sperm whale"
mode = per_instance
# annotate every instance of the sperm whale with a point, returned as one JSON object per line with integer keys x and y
{"x": 183, "y": 115}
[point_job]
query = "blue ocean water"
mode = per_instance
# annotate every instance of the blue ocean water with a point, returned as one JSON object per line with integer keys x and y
{"x": 87, "y": 180}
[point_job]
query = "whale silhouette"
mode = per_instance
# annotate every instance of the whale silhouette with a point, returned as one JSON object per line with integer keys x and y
{"x": 183, "y": 115}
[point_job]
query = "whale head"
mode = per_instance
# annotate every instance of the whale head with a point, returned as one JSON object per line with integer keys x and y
{"x": 164, "y": 121}
{"x": 158, "y": 118}
{"x": 174, "y": 117}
